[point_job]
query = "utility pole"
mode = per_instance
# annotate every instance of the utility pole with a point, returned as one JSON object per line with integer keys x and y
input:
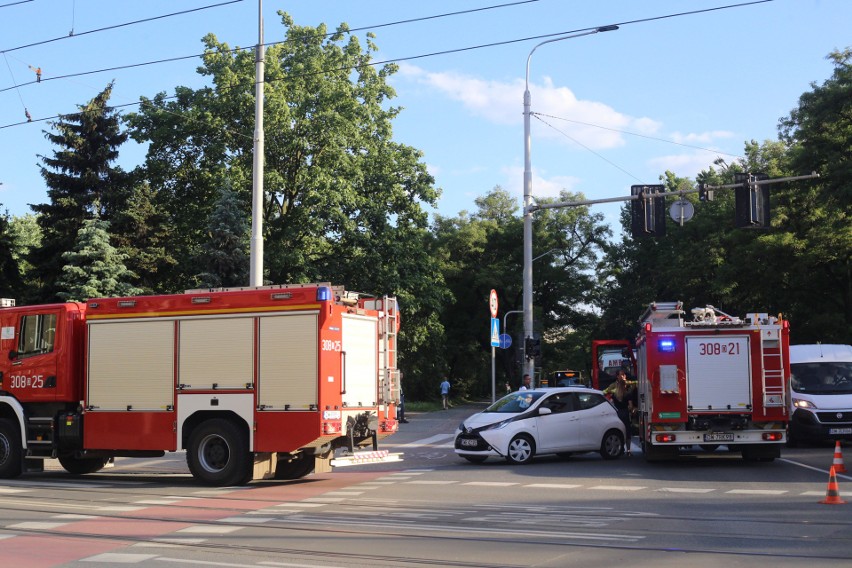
{"x": 256, "y": 251}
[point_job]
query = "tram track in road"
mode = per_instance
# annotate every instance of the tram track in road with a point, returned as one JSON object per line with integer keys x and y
{"x": 487, "y": 525}
{"x": 485, "y": 539}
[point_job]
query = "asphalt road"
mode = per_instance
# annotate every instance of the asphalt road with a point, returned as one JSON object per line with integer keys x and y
{"x": 434, "y": 509}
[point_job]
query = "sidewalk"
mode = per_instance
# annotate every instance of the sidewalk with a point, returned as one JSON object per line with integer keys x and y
{"x": 426, "y": 424}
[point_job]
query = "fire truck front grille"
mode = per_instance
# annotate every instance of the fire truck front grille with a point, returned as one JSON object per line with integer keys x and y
{"x": 835, "y": 417}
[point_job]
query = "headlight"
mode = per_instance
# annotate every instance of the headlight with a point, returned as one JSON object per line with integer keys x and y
{"x": 801, "y": 403}
{"x": 461, "y": 426}
{"x": 498, "y": 425}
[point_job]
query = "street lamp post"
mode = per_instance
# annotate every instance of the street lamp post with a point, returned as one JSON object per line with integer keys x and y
{"x": 528, "y": 259}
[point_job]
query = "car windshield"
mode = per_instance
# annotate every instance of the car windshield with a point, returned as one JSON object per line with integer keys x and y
{"x": 822, "y": 378}
{"x": 515, "y": 402}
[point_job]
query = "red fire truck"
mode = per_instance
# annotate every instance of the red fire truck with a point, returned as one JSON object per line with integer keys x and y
{"x": 710, "y": 381}
{"x": 253, "y": 383}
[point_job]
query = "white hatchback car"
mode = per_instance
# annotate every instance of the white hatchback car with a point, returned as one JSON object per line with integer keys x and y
{"x": 527, "y": 423}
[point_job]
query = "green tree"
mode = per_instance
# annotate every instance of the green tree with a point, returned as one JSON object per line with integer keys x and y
{"x": 11, "y": 283}
{"x": 94, "y": 268}
{"x": 343, "y": 201}
{"x": 226, "y": 254}
{"x": 815, "y": 216}
{"x": 81, "y": 183}
{"x": 140, "y": 231}
{"x": 484, "y": 250}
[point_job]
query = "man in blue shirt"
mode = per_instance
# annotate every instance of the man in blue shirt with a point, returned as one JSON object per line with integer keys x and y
{"x": 445, "y": 393}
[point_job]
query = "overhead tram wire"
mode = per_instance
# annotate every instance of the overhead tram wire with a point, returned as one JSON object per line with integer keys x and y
{"x": 14, "y": 3}
{"x": 235, "y": 50}
{"x": 577, "y": 142}
{"x": 18, "y": 90}
{"x": 125, "y": 24}
{"x": 538, "y": 115}
{"x": 411, "y": 20}
{"x": 401, "y": 59}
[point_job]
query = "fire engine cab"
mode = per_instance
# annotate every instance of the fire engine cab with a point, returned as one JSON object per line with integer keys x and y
{"x": 263, "y": 382}
{"x": 710, "y": 381}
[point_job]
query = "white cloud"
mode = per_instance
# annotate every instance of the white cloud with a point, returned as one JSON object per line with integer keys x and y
{"x": 684, "y": 165}
{"x": 591, "y": 123}
{"x": 701, "y": 137}
{"x": 542, "y": 186}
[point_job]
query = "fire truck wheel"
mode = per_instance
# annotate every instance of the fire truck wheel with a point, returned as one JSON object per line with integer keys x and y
{"x": 11, "y": 453}
{"x": 296, "y": 468}
{"x": 81, "y": 466}
{"x": 612, "y": 445}
{"x": 218, "y": 454}
{"x": 521, "y": 450}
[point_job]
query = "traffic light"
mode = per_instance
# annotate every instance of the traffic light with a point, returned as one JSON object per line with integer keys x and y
{"x": 647, "y": 215}
{"x": 532, "y": 347}
{"x": 751, "y": 201}
{"x": 704, "y": 194}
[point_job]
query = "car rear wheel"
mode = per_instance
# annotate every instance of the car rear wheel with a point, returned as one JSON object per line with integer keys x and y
{"x": 521, "y": 450}
{"x": 612, "y": 445}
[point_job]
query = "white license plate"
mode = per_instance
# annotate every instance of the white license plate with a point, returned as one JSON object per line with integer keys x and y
{"x": 719, "y": 437}
{"x": 839, "y": 431}
{"x": 467, "y": 442}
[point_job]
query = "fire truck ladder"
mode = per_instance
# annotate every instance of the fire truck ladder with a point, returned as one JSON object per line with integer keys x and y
{"x": 388, "y": 349}
{"x": 772, "y": 359}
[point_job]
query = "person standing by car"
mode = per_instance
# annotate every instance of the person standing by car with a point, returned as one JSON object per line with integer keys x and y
{"x": 624, "y": 397}
{"x": 445, "y": 393}
{"x": 400, "y": 409}
{"x": 526, "y": 384}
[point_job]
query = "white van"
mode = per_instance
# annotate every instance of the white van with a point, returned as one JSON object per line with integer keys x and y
{"x": 821, "y": 397}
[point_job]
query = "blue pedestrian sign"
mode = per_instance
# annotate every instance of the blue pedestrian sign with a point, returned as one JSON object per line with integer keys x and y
{"x": 495, "y": 332}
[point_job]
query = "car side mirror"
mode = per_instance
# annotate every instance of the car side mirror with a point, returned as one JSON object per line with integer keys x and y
{"x": 544, "y": 410}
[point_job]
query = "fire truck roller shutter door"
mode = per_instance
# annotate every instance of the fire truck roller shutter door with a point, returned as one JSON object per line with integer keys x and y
{"x": 216, "y": 353}
{"x": 288, "y": 361}
{"x": 131, "y": 364}
{"x": 360, "y": 343}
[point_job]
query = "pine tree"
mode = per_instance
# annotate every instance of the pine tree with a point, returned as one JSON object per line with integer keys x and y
{"x": 81, "y": 184}
{"x": 10, "y": 275}
{"x": 94, "y": 268}
{"x": 140, "y": 230}
{"x": 224, "y": 255}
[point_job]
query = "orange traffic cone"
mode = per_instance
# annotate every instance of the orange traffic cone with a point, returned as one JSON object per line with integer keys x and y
{"x": 832, "y": 494}
{"x": 838, "y": 459}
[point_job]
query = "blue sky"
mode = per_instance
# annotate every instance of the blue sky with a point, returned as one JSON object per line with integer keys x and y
{"x": 672, "y": 93}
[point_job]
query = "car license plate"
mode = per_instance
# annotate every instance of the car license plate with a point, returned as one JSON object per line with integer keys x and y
{"x": 839, "y": 431}
{"x": 719, "y": 437}
{"x": 467, "y": 442}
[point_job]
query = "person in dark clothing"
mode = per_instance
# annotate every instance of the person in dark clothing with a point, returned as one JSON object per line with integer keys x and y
{"x": 400, "y": 409}
{"x": 624, "y": 397}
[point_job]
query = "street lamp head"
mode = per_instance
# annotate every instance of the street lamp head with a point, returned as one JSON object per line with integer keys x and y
{"x": 611, "y": 28}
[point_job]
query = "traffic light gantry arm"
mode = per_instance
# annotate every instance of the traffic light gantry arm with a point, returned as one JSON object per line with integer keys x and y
{"x": 681, "y": 192}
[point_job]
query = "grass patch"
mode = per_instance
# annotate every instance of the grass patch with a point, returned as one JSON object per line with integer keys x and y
{"x": 427, "y": 406}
